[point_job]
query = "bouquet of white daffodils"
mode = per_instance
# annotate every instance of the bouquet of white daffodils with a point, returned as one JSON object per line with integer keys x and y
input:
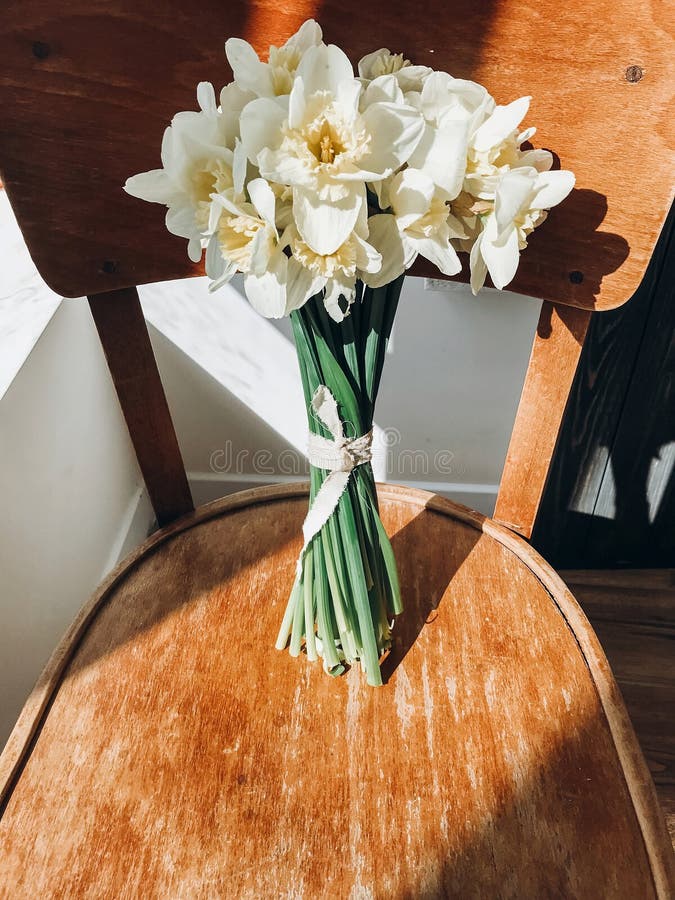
{"x": 322, "y": 188}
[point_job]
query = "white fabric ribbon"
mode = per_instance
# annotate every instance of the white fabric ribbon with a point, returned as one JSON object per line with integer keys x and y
{"x": 339, "y": 455}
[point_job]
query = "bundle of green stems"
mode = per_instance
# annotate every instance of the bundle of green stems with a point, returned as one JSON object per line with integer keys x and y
{"x": 346, "y": 594}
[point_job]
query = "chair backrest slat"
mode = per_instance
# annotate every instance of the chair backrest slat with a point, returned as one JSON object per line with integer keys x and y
{"x": 87, "y": 88}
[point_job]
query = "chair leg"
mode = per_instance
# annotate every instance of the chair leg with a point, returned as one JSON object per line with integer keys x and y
{"x": 126, "y": 344}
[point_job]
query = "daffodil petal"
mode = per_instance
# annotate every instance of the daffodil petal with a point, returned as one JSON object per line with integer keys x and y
{"x": 194, "y": 250}
{"x": 526, "y": 135}
{"x": 263, "y": 199}
{"x": 154, "y": 186}
{"x": 180, "y": 220}
{"x": 367, "y": 257}
{"x": 502, "y": 257}
{"x": 541, "y": 160}
{"x": 301, "y": 285}
{"x": 445, "y": 99}
{"x": 477, "y": 265}
{"x": 167, "y": 147}
{"x": 283, "y": 168}
{"x": 551, "y": 188}
{"x": 383, "y": 89}
{"x": 215, "y": 265}
{"x": 483, "y": 187}
{"x": 233, "y": 99}
{"x": 266, "y": 292}
{"x": 206, "y": 98}
{"x": 396, "y": 252}
{"x": 441, "y": 154}
{"x": 296, "y": 103}
{"x": 326, "y": 226}
{"x": 411, "y": 78}
{"x": 239, "y": 166}
{"x": 308, "y": 35}
{"x": 440, "y": 253}
{"x": 227, "y": 203}
{"x": 410, "y": 195}
{"x": 249, "y": 73}
{"x": 366, "y": 62}
{"x": 503, "y": 121}
{"x": 324, "y": 68}
{"x": 513, "y": 193}
{"x": 261, "y": 122}
{"x": 348, "y": 95}
{"x": 339, "y": 286}
{"x": 395, "y": 132}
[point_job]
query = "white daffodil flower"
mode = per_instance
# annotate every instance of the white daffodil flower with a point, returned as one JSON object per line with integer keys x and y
{"x": 384, "y": 89}
{"x": 275, "y": 181}
{"x": 494, "y": 149}
{"x": 336, "y": 273}
{"x": 245, "y": 239}
{"x": 197, "y": 160}
{"x": 451, "y": 107}
{"x": 419, "y": 224}
{"x": 384, "y": 62}
{"x": 275, "y": 77}
{"x": 317, "y": 142}
{"x": 469, "y": 212}
{"x": 522, "y": 198}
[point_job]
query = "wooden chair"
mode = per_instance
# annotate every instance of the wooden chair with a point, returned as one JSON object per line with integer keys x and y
{"x": 167, "y": 751}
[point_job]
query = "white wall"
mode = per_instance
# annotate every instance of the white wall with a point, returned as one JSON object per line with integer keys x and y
{"x": 446, "y": 407}
{"x": 69, "y": 484}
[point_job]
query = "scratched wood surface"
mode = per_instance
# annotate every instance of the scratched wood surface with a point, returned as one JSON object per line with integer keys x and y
{"x": 633, "y": 613}
{"x": 87, "y": 88}
{"x": 179, "y": 755}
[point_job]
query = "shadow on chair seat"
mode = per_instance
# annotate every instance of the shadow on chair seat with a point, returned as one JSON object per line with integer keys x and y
{"x": 180, "y": 755}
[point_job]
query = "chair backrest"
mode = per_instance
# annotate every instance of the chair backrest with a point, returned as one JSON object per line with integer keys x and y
{"x": 87, "y": 88}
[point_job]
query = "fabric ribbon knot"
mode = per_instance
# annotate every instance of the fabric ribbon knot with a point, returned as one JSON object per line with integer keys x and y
{"x": 339, "y": 456}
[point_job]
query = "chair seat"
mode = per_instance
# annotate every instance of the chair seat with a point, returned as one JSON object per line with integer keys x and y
{"x": 169, "y": 751}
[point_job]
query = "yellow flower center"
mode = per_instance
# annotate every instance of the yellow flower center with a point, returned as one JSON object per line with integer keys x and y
{"x": 468, "y": 209}
{"x": 389, "y": 63}
{"x": 343, "y": 260}
{"x": 208, "y": 177}
{"x": 526, "y": 223}
{"x": 283, "y": 62}
{"x": 325, "y": 141}
{"x": 432, "y": 220}
{"x": 236, "y": 235}
{"x": 492, "y": 161}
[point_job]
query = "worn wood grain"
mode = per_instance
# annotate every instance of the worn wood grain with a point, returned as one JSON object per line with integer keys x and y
{"x": 87, "y": 88}
{"x": 169, "y": 751}
{"x": 555, "y": 355}
{"x": 124, "y": 336}
{"x": 610, "y": 498}
{"x": 633, "y": 614}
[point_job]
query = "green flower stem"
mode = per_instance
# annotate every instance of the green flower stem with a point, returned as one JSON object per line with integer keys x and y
{"x": 341, "y": 605}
